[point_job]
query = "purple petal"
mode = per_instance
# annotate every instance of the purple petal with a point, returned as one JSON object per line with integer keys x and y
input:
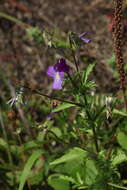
{"x": 61, "y": 66}
{"x": 51, "y": 72}
{"x": 49, "y": 117}
{"x": 57, "y": 83}
{"x": 86, "y": 40}
{"x": 61, "y": 74}
{"x": 83, "y": 34}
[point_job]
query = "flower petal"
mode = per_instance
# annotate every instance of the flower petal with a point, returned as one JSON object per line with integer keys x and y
{"x": 51, "y": 72}
{"x": 61, "y": 74}
{"x": 86, "y": 40}
{"x": 61, "y": 66}
{"x": 83, "y": 34}
{"x": 57, "y": 83}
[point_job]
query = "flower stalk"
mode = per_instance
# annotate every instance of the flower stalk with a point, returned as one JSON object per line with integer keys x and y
{"x": 118, "y": 45}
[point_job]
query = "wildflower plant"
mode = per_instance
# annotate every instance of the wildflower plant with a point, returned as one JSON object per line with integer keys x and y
{"x": 76, "y": 144}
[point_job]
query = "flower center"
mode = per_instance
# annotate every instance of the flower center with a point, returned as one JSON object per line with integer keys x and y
{"x": 57, "y": 75}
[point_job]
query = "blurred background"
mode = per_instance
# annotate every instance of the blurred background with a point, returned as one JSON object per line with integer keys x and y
{"x": 22, "y": 60}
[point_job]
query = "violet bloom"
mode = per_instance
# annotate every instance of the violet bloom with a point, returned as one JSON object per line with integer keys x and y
{"x": 83, "y": 38}
{"x": 57, "y": 73}
{"x": 50, "y": 117}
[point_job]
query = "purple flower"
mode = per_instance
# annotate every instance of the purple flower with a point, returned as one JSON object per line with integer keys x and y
{"x": 49, "y": 117}
{"x": 57, "y": 73}
{"x": 84, "y": 39}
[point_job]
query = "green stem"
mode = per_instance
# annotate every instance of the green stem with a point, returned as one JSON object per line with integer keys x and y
{"x": 73, "y": 54}
{"x": 13, "y": 19}
{"x": 53, "y": 97}
{"x": 92, "y": 124}
{"x": 117, "y": 186}
{"x": 8, "y": 147}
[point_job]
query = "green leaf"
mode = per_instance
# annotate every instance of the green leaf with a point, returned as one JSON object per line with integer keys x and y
{"x": 87, "y": 72}
{"x": 111, "y": 61}
{"x": 27, "y": 168}
{"x": 115, "y": 111}
{"x": 73, "y": 154}
{"x": 90, "y": 84}
{"x": 122, "y": 140}
{"x": 29, "y": 145}
{"x": 119, "y": 158}
{"x": 117, "y": 186}
{"x": 71, "y": 168}
{"x": 57, "y": 183}
{"x": 68, "y": 178}
{"x": 3, "y": 144}
{"x": 36, "y": 178}
{"x": 63, "y": 44}
{"x": 63, "y": 107}
{"x": 56, "y": 131}
{"x": 91, "y": 172}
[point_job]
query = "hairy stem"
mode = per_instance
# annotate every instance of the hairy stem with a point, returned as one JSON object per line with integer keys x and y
{"x": 92, "y": 124}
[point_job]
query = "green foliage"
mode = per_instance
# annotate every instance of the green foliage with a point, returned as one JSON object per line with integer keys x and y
{"x": 35, "y": 155}
{"x": 87, "y": 72}
{"x": 122, "y": 139}
{"x": 119, "y": 157}
{"x": 57, "y": 183}
{"x": 73, "y": 154}
{"x": 78, "y": 169}
{"x": 111, "y": 61}
{"x": 63, "y": 106}
{"x": 35, "y": 33}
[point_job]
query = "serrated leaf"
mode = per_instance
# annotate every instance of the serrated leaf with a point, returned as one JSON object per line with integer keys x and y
{"x": 57, "y": 183}
{"x": 122, "y": 140}
{"x": 90, "y": 84}
{"x": 73, "y": 154}
{"x": 67, "y": 178}
{"x": 63, "y": 107}
{"x": 87, "y": 72}
{"x": 119, "y": 158}
{"x": 27, "y": 168}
